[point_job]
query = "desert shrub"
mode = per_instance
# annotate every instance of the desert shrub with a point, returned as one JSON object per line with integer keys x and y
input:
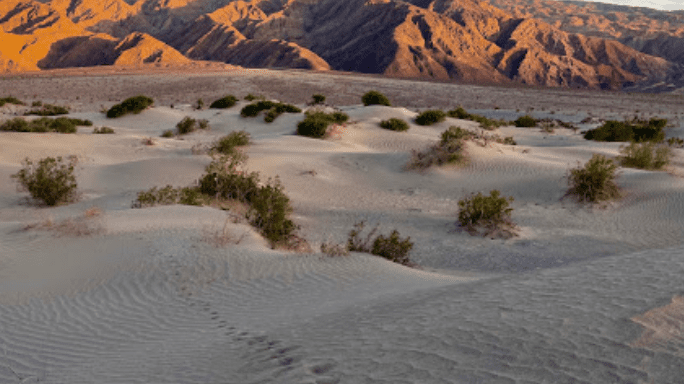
{"x": 485, "y": 123}
{"x": 509, "y": 140}
{"x": 188, "y": 125}
{"x": 449, "y": 150}
{"x": 134, "y": 105}
{"x": 675, "y": 142}
{"x": 224, "y": 179}
{"x": 44, "y": 124}
{"x": 168, "y": 133}
{"x": 459, "y": 113}
{"x": 315, "y": 124}
{"x": 50, "y": 180}
{"x": 168, "y": 196}
{"x": 375, "y": 98}
{"x": 251, "y": 97}
{"x": 253, "y": 109}
{"x": 11, "y": 100}
{"x": 37, "y": 103}
{"x": 274, "y": 109}
{"x": 455, "y": 133}
{"x": 103, "y": 130}
{"x": 224, "y": 102}
{"x": 489, "y": 213}
{"x": 631, "y": 130}
{"x": 595, "y": 182}
{"x": 317, "y": 99}
{"x": 48, "y": 110}
{"x": 392, "y": 247}
{"x": 200, "y": 104}
{"x": 645, "y": 155}
{"x": 269, "y": 211}
{"x": 526, "y": 121}
{"x": 80, "y": 122}
{"x": 395, "y": 124}
{"x": 331, "y": 249}
{"x": 430, "y": 117}
{"x": 15, "y": 125}
{"x": 227, "y": 144}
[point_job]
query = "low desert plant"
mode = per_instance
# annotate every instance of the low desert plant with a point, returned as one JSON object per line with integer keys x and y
{"x": 317, "y": 99}
{"x": 395, "y": 124}
{"x": 251, "y": 97}
{"x": 37, "y": 103}
{"x": 456, "y": 133}
{"x": 225, "y": 178}
{"x": 188, "y": 125}
{"x": 269, "y": 211}
{"x": 50, "y": 180}
{"x": 103, "y": 130}
{"x": 675, "y": 142}
{"x": 200, "y": 104}
{"x": 526, "y": 121}
{"x": 331, "y": 249}
{"x": 630, "y": 130}
{"x": 44, "y": 124}
{"x": 645, "y": 155}
{"x": 11, "y": 100}
{"x": 168, "y": 196}
{"x": 133, "y": 105}
{"x": 375, "y": 98}
{"x": 274, "y": 109}
{"x": 430, "y": 117}
{"x": 595, "y": 182}
{"x": 48, "y": 110}
{"x": 167, "y": 134}
{"x": 449, "y": 150}
{"x": 316, "y": 123}
{"x": 491, "y": 214}
{"x": 227, "y": 144}
{"x": 224, "y": 102}
{"x": 485, "y": 123}
{"x": 391, "y": 247}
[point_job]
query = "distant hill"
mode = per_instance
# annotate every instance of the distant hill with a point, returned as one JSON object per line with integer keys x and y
{"x": 443, "y": 39}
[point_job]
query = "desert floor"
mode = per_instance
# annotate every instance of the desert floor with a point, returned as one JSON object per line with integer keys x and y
{"x": 582, "y": 295}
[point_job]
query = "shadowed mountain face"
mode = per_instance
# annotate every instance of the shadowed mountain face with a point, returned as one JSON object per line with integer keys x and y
{"x": 444, "y": 39}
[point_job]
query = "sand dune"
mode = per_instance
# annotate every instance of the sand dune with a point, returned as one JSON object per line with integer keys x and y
{"x": 590, "y": 295}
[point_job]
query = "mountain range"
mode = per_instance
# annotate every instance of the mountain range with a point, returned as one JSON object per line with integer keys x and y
{"x": 536, "y": 42}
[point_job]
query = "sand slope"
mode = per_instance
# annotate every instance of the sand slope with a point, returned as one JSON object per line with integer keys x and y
{"x": 582, "y": 295}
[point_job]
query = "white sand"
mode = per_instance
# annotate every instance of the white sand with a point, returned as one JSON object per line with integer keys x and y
{"x": 582, "y": 295}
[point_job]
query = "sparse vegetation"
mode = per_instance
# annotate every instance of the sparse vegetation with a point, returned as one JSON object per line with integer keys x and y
{"x": 224, "y": 102}
{"x": 103, "y": 130}
{"x": 395, "y": 124}
{"x": 430, "y": 117}
{"x": 251, "y": 97}
{"x": 169, "y": 196}
{"x": 199, "y": 105}
{"x": 228, "y": 144}
{"x": 375, "y": 98}
{"x": 490, "y": 214}
{"x": 331, "y": 249}
{"x": 133, "y": 105}
{"x": 167, "y": 134}
{"x": 595, "y": 182}
{"x": 485, "y": 123}
{"x": 189, "y": 125}
{"x": 317, "y": 99}
{"x": 449, "y": 150}
{"x": 48, "y": 110}
{"x": 316, "y": 123}
{"x": 11, "y": 100}
{"x": 525, "y": 121}
{"x": 50, "y": 180}
{"x": 675, "y": 142}
{"x": 645, "y": 155}
{"x": 274, "y": 109}
{"x": 391, "y": 247}
{"x": 43, "y": 125}
{"x": 631, "y": 130}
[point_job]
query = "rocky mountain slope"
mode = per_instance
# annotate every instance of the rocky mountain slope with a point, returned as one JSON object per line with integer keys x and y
{"x": 444, "y": 39}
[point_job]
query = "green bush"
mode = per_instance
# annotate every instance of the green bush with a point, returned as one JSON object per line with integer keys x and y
{"x": 485, "y": 123}
{"x": 274, "y": 109}
{"x": 254, "y": 109}
{"x": 395, "y": 124}
{"x": 595, "y": 182}
{"x": 80, "y": 122}
{"x": 645, "y": 156}
{"x": 48, "y": 110}
{"x": 430, "y": 117}
{"x": 50, "y": 180}
{"x": 449, "y": 150}
{"x": 633, "y": 130}
{"x": 269, "y": 211}
{"x": 392, "y": 247}
{"x": 168, "y": 133}
{"x": 459, "y": 113}
{"x": 489, "y": 213}
{"x": 227, "y": 144}
{"x": 189, "y": 125}
{"x": 224, "y": 102}
{"x": 44, "y": 124}
{"x": 11, "y": 100}
{"x": 526, "y": 121}
{"x": 317, "y": 99}
{"x": 375, "y": 98}
{"x": 251, "y": 97}
{"x": 675, "y": 142}
{"x": 103, "y": 130}
{"x": 315, "y": 124}
{"x": 133, "y": 105}
{"x": 224, "y": 179}
{"x": 455, "y": 133}
{"x": 168, "y": 196}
